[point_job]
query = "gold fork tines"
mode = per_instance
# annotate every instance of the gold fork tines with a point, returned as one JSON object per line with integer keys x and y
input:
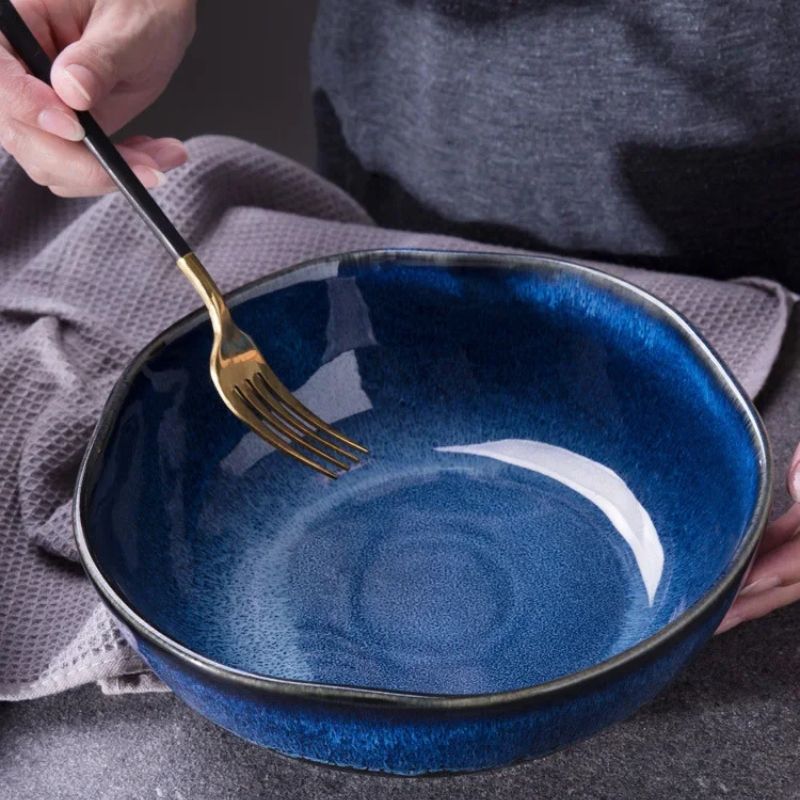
{"x": 253, "y": 392}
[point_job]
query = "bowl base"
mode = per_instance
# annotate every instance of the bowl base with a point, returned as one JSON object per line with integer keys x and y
{"x": 453, "y": 580}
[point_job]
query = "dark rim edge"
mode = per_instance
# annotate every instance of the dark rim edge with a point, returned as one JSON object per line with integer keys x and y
{"x": 610, "y": 669}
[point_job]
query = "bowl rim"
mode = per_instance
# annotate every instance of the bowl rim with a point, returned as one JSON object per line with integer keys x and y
{"x": 619, "y": 665}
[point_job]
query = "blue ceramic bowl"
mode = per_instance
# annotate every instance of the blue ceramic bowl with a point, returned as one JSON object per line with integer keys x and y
{"x": 564, "y": 491}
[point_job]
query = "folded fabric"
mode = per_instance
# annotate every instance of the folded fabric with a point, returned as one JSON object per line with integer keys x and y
{"x": 85, "y": 286}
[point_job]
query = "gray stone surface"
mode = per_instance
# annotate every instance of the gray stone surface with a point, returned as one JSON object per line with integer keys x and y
{"x": 728, "y": 727}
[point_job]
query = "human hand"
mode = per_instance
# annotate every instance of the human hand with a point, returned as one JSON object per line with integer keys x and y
{"x": 774, "y": 580}
{"x": 115, "y": 57}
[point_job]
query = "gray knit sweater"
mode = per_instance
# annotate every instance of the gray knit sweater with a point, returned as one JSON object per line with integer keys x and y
{"x": 658, "y": 133}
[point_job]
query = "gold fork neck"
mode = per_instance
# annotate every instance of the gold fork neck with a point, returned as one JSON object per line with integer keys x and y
{"x": 204, "y": 285}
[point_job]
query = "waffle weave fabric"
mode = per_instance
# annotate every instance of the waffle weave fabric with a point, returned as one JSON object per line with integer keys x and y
{"x": 84, "y": 286}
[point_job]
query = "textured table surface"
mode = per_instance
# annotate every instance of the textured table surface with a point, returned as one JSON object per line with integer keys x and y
{"x": 728, "y": 727}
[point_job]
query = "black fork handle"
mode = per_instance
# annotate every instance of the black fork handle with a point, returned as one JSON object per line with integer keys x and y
{"x": 102, "y": 148}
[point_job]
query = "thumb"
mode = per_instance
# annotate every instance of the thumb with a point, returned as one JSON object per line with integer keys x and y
{"x": 85, "y": 72}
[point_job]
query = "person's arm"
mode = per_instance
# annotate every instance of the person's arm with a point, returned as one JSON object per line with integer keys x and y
{"x": 774, "y": 580}
{"x": 113, "y": 57}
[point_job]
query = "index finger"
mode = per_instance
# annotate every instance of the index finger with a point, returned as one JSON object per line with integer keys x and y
{"x": 27, "y": 100}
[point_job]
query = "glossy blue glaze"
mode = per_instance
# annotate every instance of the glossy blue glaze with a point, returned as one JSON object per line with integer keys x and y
{"x": 421, "y": 572}
{"x": 421, "y": 741}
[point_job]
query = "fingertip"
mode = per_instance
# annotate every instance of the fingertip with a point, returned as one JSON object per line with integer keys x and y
{"x": 171, "y": 157}
{"x": 730, "y": 621}
{"x": 793, "y": 477}
{"x": 73, "y": 192}
{"x": 168, "y": 153}
{"x": 170, "y": 141}
{"x": 65, "y": 192}
{"x": 137, "y": 157}
{"x": 61, "y": 123}
{"x": 151, "y": 178}
{"x": 76, "y": 85}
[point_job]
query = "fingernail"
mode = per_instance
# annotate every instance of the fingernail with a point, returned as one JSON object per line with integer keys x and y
{"x": 793, "y": 477}
{"x": 728, "y": 623}
{"x": 169, "y": 155}
{"x": 61, "y": 124}
{"x": 81, "y": 79}
{"x": 794, "y": 482}
{"x": 151, "y": 178}
{"x": 761, "y": 585}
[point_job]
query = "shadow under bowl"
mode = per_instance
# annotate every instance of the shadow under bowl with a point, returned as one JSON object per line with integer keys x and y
{"x": 564, "y": 490}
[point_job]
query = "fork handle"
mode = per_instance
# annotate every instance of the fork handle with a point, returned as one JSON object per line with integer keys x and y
{"x": 38, "y": 62}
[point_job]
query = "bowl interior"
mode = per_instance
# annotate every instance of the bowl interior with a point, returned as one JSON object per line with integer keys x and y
{"x": 555, "y": 474}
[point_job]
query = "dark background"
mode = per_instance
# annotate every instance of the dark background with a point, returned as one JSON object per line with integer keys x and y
{"x": 245, "y": 74}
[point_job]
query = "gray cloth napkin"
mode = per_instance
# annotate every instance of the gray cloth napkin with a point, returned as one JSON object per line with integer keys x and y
{"x": 85, "y": 286}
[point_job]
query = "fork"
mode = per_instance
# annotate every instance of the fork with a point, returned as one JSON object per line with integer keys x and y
{"x": 243, "y": 379}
